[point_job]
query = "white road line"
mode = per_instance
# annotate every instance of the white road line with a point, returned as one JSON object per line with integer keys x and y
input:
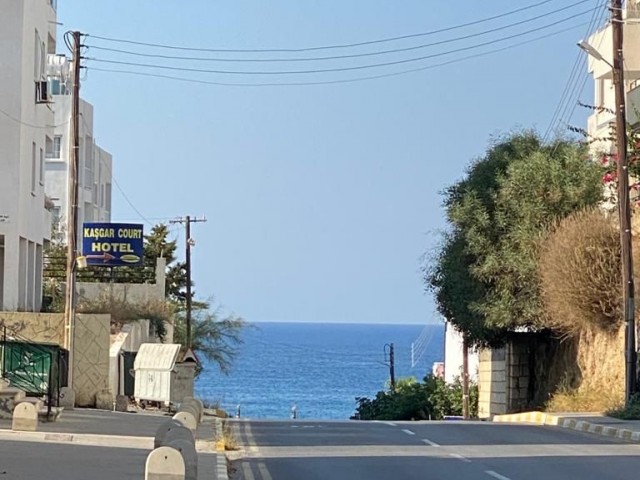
{"x": 391, "y": 424}
{"x": 264, "y": 473}
{"x": 247, "y": 473}
{"x": 493, "y": 474}
{"x": 429, "y": 442}
{"x": 408, "y": 432}
{"x": 460, "y": 457}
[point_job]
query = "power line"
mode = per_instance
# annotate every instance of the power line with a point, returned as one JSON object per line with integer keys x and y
{"x": 26, "y": 124}
{"x": 339, "y": 57}
{"x": 330, "y": 82}
{"x": 342, "y": 69}
{"x": 570, "y": 87}
{"x": 325, "y": 47}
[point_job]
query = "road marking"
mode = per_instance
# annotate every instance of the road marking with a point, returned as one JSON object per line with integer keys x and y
{"x": 408, "y": 432}
{"x": 460, "y": 457}
{"x": 391, "y": 424}
{"x": 262, "y": 468}
{"x": 247, "y": 473}
{"x": 493, "y": 474}
{"x": 429, "y": 442}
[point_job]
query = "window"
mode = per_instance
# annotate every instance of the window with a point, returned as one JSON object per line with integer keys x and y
{"x": 41, "y": 167}
{"x": 54, "y": 146}
{"x": 33, "y": 168}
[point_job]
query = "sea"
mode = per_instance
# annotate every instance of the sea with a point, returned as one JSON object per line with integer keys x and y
{"x": 320, "y": 368}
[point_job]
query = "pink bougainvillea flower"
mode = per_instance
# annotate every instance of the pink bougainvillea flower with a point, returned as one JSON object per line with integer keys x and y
{"x": 608, "y": 177}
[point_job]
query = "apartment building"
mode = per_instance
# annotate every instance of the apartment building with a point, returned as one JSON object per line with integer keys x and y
{"x": 27, "y": 36}
{"x": 94, "y": 174}
{"x": 600, "y": 123}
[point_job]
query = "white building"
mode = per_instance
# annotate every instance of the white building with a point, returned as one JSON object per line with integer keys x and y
{"x": 601, "y": 121}
{"x": 94, "y": 174}
{"x": 27, "y": 35}
{"x": 453, "y": 354}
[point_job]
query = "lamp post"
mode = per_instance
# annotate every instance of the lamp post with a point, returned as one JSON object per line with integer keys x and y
{"x": 624, "y": 209}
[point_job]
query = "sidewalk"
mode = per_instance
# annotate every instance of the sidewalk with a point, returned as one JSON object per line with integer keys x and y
{"x": 595, "y": 423}
{"x": 133, "y": 431}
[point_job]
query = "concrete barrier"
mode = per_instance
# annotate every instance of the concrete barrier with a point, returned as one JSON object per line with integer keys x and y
{"x": 172, "y": 430}
{"x": 192, "y": 409}
{"x": 25, "y": 417}
{"x": 164, "y": 463}
{"x": 187, "y": 419}
{"x": 197, "y": 402}
{"x": 189, "y": 456}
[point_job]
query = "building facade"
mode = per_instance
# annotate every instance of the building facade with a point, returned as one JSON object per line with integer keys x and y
{"x": 601, "y": 122}
{"x": 27, "y": 36}
{"x": 94, "y": 174}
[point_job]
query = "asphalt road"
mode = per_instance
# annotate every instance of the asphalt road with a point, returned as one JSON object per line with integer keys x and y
{"x": 295, "y": 450}
{"x": 38, "y": 461}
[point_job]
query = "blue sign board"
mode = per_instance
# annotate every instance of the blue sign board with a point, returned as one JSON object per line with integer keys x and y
{"x": 112, "y": 244}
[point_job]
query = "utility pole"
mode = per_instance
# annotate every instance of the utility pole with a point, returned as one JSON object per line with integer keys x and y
{"x": 187, "y": 221}
{"x": 465, "y": 378}
{"x": 623, "y": 201}
{"x": 392, "y": 365}
{"x": 72, "y": 200}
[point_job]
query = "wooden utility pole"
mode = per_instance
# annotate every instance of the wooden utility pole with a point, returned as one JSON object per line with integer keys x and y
{"x": 624, "y": 209}
{"x": 72, "y": 207}
{"x": 187, "y": 221}
{"x": 392, "y": 365}
{"x": 465, "y": 378}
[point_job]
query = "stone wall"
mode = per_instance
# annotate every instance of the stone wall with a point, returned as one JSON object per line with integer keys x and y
{"x": 519, "y": 385}
{"x": 37, "y": 327}
{"x": 91, "y": 357}
{"x": 91, "y": 346}
{"x": 492, "y": 382}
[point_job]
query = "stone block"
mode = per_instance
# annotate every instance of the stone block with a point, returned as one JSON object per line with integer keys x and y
{"x": 187, "y": 419}
{"x": 172, "y": 430}
{"x": 104, "y": 400}
{"x": 25, "y": 417}
{"x": 189, "y": 456}
{"x": 164, "y": 463}
{"x": 122, "y": 403}
{"x": 67, "y": 398}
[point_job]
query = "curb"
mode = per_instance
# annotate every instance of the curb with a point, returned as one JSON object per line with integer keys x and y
{"x": 541, "y": 418}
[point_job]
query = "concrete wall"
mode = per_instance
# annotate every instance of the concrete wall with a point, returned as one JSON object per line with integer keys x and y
{"x": 505, "y": 384}
{"x": 90, "y": 357}
{"x": 90, "y": 346}
{"x": 37, "y": 327}
{"x": 492, "y": 382}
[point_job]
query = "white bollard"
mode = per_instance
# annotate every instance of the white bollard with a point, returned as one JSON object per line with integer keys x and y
{"x": 172, "y": 430}
{"x": 164, "y": 463}
{"x": 190, "y": 457}
{"x": 187, "y": 419}
{"x": 25, "y": 417}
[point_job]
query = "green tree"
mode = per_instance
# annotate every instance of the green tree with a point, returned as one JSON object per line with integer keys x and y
{"x": 485, "y": 276}
{"x": 215, "y": 336}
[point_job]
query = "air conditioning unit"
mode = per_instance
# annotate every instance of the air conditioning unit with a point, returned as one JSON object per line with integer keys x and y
{"x": 42, "y": 92}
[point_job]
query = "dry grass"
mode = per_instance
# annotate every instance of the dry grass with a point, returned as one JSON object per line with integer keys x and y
{"x": 226, "y": 439}
{"x": 584, "y": 400}
{"x": 158, "y": 312}
{"x": 580, "y": 274}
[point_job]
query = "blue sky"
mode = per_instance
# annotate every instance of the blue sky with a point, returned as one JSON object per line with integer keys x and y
{"x": 321, "y": 200}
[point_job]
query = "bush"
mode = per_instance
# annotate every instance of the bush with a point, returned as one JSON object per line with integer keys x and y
{"x": 432, "y": 399}
{"x": 581, "y": 274}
